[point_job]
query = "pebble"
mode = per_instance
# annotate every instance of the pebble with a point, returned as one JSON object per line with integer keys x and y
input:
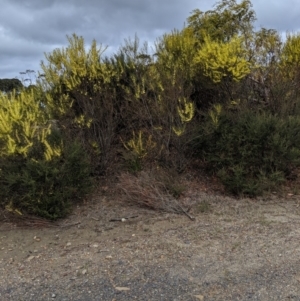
{"x": 29, "y": 258}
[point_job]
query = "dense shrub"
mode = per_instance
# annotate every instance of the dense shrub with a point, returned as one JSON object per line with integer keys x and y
{"x": 239, "y": 86}
{"x": 40, "y": 171}
{"x": 250, "y": 152}
{"x": 42, "y": 187}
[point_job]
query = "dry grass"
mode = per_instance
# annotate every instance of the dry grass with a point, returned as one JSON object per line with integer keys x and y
{"x": 147, "y": 190}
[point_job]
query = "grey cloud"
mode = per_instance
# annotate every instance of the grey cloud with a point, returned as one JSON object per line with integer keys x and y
{"x": 32, "y": 27}
{"x": 28, "y": 28}
{"x": 280, "y": 15}
{"x": 32, "y": 4}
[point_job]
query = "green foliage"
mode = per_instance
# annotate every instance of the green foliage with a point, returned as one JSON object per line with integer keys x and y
{"x": 291, "y": 50}
{"x": 223, "y": 39}
{"x": 40, "y": 172}
{"x": 173, "y": 110}
{"x": 227, "y": 20}
{"x": 176, "y": 52}
{"x": 250, "y": 152}
{"x": 82, "y": 96}
{"x": 266, "y": 49}
{"x": 10, "y": 84}
{"x": 153, "y": 94}
{"x": 47, "y": 188}
{"x": 238, "y": 87}
{"x": 290, "y": 58}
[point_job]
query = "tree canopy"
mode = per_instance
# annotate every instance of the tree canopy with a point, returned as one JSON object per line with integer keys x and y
{"x": 10, "y": 84}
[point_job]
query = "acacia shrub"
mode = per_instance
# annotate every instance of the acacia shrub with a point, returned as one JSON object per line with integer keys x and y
{"x": 40, "y": 171}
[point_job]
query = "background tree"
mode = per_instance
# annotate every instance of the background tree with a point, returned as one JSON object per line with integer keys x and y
{"x": 227, "y": 20}
{"x": 10, "y": 84}
{"x": 229, "y": 24}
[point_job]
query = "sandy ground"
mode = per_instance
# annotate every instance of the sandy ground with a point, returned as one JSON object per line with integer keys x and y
{"x": 234, "y": 250}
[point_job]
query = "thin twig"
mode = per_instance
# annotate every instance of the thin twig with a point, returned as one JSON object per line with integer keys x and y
{"x": 185, "y": 212}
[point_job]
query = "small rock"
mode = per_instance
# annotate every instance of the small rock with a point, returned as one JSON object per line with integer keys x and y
{"x": 21, "y": 267}
{"x": 84, "y": 272}
{"x": 68, "y": 244}
{"x": 95, "y": 246}
{"x": 120, "y": 288}
{"x": 29, "y": 258}
{"x": 108, "y": 257}
{"x": 53, "y": 296}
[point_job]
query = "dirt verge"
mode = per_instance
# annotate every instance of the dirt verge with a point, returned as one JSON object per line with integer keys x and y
{"x": 234, "y": 250}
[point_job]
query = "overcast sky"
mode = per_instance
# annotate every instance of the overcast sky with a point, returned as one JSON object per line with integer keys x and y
{"x": 29, "y": 28}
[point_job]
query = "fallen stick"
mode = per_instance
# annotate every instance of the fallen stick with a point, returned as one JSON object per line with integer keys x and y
{"x": 185, "y": 212}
